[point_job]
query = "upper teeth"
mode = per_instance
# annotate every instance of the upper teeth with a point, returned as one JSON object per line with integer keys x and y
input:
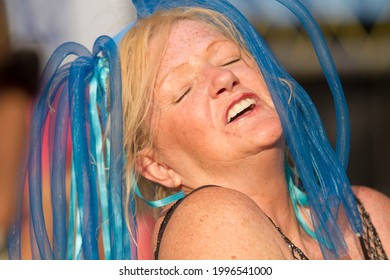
{"x": 239, "y": 107}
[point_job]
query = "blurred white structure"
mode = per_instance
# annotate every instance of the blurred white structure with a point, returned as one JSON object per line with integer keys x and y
{"x": 45, "y": 24}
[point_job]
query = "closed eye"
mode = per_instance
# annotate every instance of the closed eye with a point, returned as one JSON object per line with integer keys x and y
{"x": 232, "y": 61}
{"x": 182, "y": 96}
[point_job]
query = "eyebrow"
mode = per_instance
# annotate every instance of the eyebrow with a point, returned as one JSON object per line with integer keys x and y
{"x": 211, "y": 45}
{"x": 173, "y": 69}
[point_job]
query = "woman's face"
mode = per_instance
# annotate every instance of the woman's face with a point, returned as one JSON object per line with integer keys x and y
{"x": 214, "y": 109}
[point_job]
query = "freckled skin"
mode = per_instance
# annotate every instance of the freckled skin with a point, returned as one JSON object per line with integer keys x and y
{"x": 195, "y": 86}
{"x": 193, "y": 134}
{"x": 195, "y": 142}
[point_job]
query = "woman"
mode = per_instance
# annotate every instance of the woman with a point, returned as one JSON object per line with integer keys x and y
{"x": 212, "y": 121}
{"x": 206, "y": 104}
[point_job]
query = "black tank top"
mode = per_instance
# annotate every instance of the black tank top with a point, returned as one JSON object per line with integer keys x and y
{"x": 370, "y": 242}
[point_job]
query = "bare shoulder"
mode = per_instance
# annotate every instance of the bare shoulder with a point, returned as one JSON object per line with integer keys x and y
{"x": 373, "y": 200}
{"x": 220, "y": 223}
{"x": 377, "y": 205}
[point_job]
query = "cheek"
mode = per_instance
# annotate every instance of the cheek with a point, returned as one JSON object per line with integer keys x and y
{"x": 184, "y": 129}
{"x": 254, "y": 79}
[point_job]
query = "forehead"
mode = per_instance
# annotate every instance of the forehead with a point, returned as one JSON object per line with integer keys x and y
{"x": 192, "y": 31}
{"x": 187, "y": 40}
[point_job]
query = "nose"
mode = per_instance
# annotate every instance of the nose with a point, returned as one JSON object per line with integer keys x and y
{"x": 223, "y": 81}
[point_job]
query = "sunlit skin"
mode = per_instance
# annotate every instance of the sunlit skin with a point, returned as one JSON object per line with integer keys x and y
{"x": 202, "y": 76}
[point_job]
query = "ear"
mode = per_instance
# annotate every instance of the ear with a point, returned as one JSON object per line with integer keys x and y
{"x": 157, "y": 172}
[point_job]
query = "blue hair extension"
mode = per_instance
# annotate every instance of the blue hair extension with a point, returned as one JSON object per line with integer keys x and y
{"x": 327, "y": 64}
{"x": 342, "y": 190}
{"x": 74, "y": 242}
{"x": 58, "y": 178}
{"x": 119, "y": 245}
{"x": 85, "y": 181}
{"x": 161, "y": 202}
{"x": 321, "y": 169}
{"x": 101, "y": 69}
{"x": 34, "y": 168}
{"x": 75, "y": 95}
{"x": 298, "y": 199}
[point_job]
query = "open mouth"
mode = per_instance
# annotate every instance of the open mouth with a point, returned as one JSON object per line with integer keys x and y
{"x": 241, "y": 108}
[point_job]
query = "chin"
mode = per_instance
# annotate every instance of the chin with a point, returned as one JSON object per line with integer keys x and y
{"x": 268, "y": 133}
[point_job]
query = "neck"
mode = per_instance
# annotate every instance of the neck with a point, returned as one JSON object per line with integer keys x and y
{"x": 264, "y": 181}
{"x": 261, "y": 177}
{"x": 266, "y": 184}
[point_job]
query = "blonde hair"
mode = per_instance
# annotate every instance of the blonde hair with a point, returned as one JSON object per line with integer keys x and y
{"x": 139, "y": 70}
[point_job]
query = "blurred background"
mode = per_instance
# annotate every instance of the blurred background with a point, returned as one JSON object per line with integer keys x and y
{"x": 357, "y": 31}
{"x": 30, "y": 30}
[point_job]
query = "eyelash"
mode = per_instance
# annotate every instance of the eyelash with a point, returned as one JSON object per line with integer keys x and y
{"x": 182, "y": 96}
{"x": 232, "y": 61}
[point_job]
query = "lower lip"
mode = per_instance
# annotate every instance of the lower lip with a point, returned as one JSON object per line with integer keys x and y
{"x": 247, "y": 114}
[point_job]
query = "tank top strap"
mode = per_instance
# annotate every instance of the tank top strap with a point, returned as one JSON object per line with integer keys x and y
{"x": 370, "y": 242}
{"x": 168, "y": 216}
